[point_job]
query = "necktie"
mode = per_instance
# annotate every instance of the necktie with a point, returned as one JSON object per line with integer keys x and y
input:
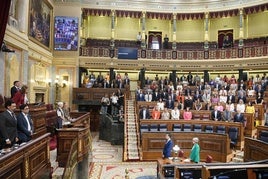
{"x": 13, "y": 115}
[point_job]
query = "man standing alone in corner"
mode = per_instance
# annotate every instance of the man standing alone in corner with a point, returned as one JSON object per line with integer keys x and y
{"x": 168, "y": 146}
{"x": 166, "y": 39}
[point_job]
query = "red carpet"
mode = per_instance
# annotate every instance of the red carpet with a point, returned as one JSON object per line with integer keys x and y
{"x": 53, "y": 142}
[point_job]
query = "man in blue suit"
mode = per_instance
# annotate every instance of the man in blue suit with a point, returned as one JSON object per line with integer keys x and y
{"x": 239, "y": 117}
{"x": 24, "y": 124}
{"x": 168, "y": 146}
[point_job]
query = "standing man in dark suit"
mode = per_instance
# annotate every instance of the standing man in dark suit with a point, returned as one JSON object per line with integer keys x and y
{"x": 167, "y": 150}
{"x": 8, "y": 125}
{"x": 24, "y": 124}
{"x": 216, "y": 114}
{"x": 15, "y": 88}
{"x": 144, "y": 113}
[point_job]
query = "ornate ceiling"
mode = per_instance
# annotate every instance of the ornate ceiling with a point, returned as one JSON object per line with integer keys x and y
{"x": 178, "y": 6}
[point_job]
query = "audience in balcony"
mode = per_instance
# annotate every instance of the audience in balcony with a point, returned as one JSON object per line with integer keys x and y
{"x": 227, "y": 42}
{"x": 165, "y": 114}
{"x": 198, "y": 105}
{"x": 240, "y": 106}
{"x": 156, "y": 114}
{"x": 216, "y": 114}
{"x": 227, "y": 114}
{"x": 250, "y": 92}
{"x": 165, "y": 44}
{"x": 148, "y": 96}
{"x": 160, "y": 104}
{"x": 175, "y": 113}
{"x": 144, "y": 113}
{"x": 239, "y": 117}
{"x": 259, "y": 98}
{"x": 230, "y": 105}
{"x": 187, "y": 114}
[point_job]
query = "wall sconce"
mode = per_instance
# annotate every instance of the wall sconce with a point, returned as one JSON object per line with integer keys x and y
{"x": 63, "y": 82}
{"x": 49, "y": 82}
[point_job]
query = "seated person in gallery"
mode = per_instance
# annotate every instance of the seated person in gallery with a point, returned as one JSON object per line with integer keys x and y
{"x": 156, "y": 113}
{"x": 167, "y": 150}
{"x": 226, "y": 42}
{"x": 165, "y": 44}
{"x": 144, "y": 113}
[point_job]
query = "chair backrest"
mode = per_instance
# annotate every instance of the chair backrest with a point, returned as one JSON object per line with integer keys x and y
{"x": 144, "y": 128}
{"x": 221, "y": 129}
{"x": 176, "y": 127}
{"x": 206, "y": 117}
{"x": 209, "y": 159}
{"x": 233, "y": 134}
{"x": 264, "y": 136}
{"x": 187, "y": 127}
{"x": 196, "y": 116}
{"x": 154, "y": 127}
{"x": 162, "y": 127}
{"x": 198, "y": 128}
{"x": 209, "y": 129}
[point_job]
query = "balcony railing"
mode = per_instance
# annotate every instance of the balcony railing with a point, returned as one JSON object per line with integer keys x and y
{"x": 193, "y": 54}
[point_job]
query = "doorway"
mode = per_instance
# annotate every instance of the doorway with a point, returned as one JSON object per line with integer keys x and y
{"x": 155, "y": 40}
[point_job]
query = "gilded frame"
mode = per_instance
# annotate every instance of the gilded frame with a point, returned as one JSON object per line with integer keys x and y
{"x": 40, "y": 23}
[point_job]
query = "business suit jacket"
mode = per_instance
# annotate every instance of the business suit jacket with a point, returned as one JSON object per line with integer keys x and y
{"x": 232, "y": 98}
{"x": 24, "y": 134}
{"x": 218, "y": 116}
{"x": 140, "y": 97}
{"x": 167, "y": 149}
{"x": 170, "y": 104}
{"x": 8, "y": 128}
{"x": 239, "y": 118}
{"x": 156, "y": 96}
{"x": 147, "y": 114}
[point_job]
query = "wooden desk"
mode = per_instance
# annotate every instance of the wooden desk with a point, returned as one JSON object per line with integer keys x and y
{"x": 38, "y": 116}
{"x": 216, "y": 145}
{"x": 31, "y": 161}
{"x": 203, "y": 123}
{"x": 234, "y": 171}
{"x": 65, "y": 138}
{"x": 255, "y": 150}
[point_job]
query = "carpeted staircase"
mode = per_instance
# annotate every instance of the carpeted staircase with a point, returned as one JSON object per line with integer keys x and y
{"x": 132, "y": 142}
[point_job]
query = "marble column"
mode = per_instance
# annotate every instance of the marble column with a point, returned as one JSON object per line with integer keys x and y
{"x": 23, "y": 9}
{"x": 206, "y": 38}
{"x": 174, "y": 29}
{"x": 143, "y": 24}
{"x": 112, "y": 29}
{"x": 241, "y": 28}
